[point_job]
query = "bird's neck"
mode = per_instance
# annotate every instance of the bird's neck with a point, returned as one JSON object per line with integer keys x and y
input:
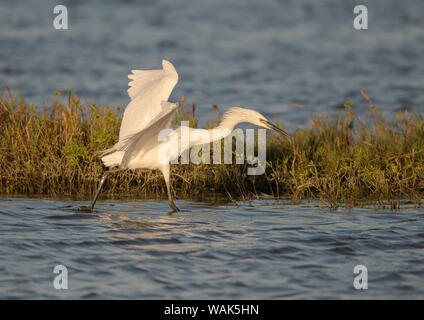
{"x": 224, "y": 128}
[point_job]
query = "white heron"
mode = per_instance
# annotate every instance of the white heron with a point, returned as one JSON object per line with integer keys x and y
{"x": 147, "y": 114}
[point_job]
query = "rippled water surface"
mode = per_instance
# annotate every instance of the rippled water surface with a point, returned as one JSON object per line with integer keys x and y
{"x": 261, "y": 249}
{"x": 262, "y": 54}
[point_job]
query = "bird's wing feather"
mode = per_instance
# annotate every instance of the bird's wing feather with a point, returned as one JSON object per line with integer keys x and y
{"x": 142, "y": 140}
{"x": 148, "y": 89}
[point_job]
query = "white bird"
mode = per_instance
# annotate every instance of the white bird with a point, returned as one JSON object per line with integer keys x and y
{"x": 147, "y": 114}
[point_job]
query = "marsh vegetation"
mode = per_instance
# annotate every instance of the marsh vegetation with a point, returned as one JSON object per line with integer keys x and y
{"x": 346, "y": 160}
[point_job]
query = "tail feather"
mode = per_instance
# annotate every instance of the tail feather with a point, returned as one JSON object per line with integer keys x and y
{"x": 113, "y": 159}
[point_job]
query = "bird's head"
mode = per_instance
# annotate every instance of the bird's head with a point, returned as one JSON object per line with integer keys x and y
{"x": 254, "y": 117}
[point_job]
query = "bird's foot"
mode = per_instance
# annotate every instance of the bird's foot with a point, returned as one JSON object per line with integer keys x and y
{"x": 173, "y": 207}
{"x": 84, "y": 209}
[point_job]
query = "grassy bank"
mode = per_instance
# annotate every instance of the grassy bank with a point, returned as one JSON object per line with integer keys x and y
{"x": 341, "y": 161}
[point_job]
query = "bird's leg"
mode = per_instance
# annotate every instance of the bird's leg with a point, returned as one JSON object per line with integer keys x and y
{"x": 93, "y": 202}
{"x": 171, "y": 201}
{"x": 165, "y": 172}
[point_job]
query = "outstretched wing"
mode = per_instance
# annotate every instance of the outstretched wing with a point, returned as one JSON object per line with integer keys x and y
{"x": 160, "y": 122}
{"x": 148, "y": 89}
{"x": 142, "y": 141}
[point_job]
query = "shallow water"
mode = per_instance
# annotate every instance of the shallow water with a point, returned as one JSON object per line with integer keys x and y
{"x": 262, "y": 54}
{"x": 260, "y": 249}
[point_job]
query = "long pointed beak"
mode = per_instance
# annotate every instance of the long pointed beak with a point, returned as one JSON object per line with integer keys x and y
{"x": 272, "y": 126}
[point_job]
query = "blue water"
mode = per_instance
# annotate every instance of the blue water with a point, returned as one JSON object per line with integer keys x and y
{"x": 250, "y": 250}
{"x": 261, "y": 54}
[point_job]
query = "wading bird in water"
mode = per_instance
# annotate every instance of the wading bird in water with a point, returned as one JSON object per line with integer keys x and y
{"x": 147, "y": 115}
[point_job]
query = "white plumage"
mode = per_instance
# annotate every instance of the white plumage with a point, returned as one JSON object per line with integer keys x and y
{"x": 147, "y": 114}
{"x": 149, "y": 91}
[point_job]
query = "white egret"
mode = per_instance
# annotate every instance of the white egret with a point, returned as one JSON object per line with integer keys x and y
{"x": 147, "y": 114}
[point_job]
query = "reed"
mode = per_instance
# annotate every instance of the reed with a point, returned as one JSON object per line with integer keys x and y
{"x": 349, "y": 160}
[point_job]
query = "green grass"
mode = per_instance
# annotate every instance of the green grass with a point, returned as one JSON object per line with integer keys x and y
{"x": 344, "y": 161}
